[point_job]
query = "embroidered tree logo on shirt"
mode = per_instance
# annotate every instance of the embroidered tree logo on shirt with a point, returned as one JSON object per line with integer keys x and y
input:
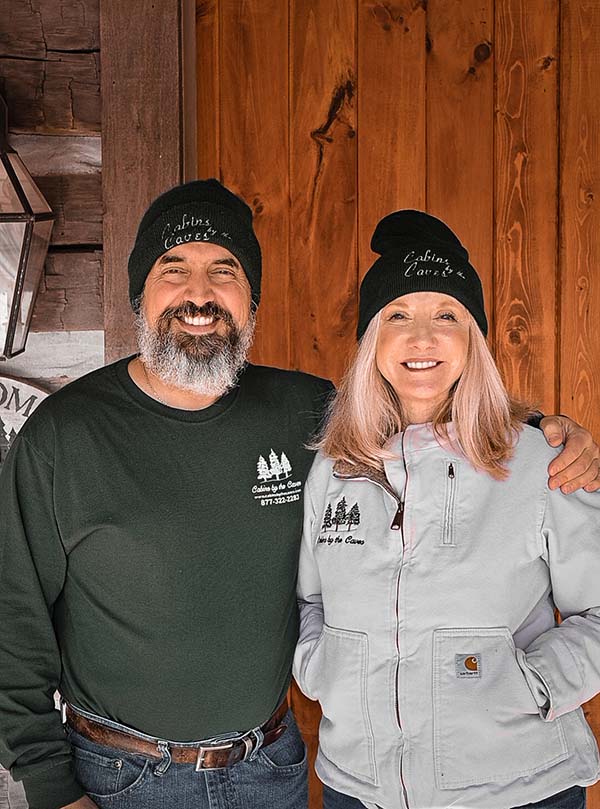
{"x": 276, "y": 468}
{"x": 343, "y": 519}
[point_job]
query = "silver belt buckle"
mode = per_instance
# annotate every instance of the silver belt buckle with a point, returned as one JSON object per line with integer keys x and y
{"x": 202, "y": 751}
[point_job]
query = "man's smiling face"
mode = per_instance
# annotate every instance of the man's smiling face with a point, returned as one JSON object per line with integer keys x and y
{"x": 196, "y": 289}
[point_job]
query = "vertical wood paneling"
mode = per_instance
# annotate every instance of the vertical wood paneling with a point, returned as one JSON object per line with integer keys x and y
{"x": 579, "y": 232}
{"x": 460, "y": 125}
{"x": 323, "y": 181}
{"x": 391, "y": 113}
{"x": 207, "y": 66}
{"x": 526, "y": 198}
{"x": 580, "y": 211}
{"x": 254, "y": 148}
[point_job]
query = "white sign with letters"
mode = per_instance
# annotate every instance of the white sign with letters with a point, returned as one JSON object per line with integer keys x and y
{"x": 18, "y": 400}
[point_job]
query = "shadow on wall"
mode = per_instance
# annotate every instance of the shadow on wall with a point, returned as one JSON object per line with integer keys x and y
{"x": 11, "y": 793}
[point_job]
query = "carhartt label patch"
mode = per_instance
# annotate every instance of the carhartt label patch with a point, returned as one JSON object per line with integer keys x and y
{"x": 275, "y": 487}
{"x": 468, "y": 665}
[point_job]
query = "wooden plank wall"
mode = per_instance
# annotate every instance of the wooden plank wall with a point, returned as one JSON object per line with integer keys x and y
{"x": 50, "y": 79}
{"x": 327, "y": 114}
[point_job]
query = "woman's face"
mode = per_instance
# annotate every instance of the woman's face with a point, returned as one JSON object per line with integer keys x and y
{"x": 422, "y": 347}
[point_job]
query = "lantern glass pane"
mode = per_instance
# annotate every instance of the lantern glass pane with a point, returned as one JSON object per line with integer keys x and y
{"x": 32, "y": 192}
{"x": 11, "y": 241}
{"x": 33, "y": 274}
{"x": 9, "y": 201}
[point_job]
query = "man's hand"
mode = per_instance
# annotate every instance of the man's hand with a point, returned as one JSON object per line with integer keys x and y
{"x": 578, "y": 465}
{"x": 82, "y": 803}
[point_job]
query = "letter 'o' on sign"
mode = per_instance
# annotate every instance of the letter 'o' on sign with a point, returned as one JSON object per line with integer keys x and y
{"x": 18, "y": 400}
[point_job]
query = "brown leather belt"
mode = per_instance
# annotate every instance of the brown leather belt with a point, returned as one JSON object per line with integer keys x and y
{"x": 213, "y": 756}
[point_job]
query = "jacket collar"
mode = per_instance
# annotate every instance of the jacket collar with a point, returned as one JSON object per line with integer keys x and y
{"x": 349, "y": 471}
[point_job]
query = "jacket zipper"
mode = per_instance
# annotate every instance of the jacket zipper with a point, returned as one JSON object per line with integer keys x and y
{"x": 448, "y": 531}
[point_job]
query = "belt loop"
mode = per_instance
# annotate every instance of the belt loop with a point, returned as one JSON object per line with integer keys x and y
{"x": 165, "y": 761}
{"x": 260, "y": 737}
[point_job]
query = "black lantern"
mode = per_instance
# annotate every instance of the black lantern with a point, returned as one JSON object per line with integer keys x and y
{"x": 26, "y": 222}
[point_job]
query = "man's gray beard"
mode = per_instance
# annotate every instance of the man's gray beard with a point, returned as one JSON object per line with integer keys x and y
{"x": 205, "y": 364}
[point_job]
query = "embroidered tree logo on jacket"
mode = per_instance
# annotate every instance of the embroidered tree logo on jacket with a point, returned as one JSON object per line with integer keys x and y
{"x": 343, "y": 519}
{"x": 276, "y": 468}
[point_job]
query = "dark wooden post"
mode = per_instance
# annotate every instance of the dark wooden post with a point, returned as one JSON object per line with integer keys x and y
{"x": 148, "y": 132}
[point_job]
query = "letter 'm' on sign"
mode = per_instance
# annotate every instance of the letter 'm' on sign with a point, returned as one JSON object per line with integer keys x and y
{"x": 14, "y": 403}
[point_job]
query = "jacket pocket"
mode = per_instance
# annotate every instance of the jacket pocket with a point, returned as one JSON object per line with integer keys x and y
{"x": 337, "y": 676}
{"x": 487, "y": 728}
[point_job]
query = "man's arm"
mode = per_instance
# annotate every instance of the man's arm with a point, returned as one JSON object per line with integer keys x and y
{"x": 578, "y": 465}
{"x": 33, "y": 566}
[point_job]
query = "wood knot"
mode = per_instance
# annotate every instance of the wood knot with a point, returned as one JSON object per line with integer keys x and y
{"x": 546, "y": 62}
{"x": 483, "y": 51}
{"x": 514, "y": 337}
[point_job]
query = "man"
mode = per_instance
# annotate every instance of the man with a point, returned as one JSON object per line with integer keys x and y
{"x": 151, "y": 517}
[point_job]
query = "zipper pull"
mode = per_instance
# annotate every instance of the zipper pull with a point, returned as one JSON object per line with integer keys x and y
{"x": 398, "y": 517}
{"x": 451, "y": 471}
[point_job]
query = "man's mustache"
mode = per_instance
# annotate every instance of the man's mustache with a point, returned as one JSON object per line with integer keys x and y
{"x": 190, "y": 309}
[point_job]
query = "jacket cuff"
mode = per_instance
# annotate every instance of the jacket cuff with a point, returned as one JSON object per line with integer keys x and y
{"x": 53, "y": 788}
{"x": 537, "y": 685}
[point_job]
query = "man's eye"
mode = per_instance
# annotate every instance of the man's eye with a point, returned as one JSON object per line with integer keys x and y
{"x": 173, "y": 271}
{"x": 224, "y": 271}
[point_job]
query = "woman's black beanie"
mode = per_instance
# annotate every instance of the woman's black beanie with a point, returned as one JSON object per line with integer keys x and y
{"x": 418, "y": 253}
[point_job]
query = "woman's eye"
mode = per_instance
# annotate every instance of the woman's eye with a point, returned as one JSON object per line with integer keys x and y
{"x": 448, "y": 316}
{"x": 397, "y": 316}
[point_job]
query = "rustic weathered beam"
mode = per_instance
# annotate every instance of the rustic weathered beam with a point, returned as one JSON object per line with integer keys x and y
{"x": 70, "y": 294}
{"x": 60, "y": 93}
{"x": 146, "y": 145}
{"x": 77, "y": 203}
{"x": 56, "y": 154}
{"x": 52, "y": 358}
{"x": 31, "y": 28}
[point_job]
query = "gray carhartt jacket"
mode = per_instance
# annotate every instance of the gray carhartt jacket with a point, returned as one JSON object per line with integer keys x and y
{"x": 428, "y": 634}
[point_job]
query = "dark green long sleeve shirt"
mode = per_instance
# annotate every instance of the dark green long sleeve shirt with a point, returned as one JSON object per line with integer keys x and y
{"x": 148, "y": 563}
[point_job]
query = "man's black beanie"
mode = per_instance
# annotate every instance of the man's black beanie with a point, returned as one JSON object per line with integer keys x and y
{"x": 418, "y": 253}
{"x": 200, "y": 211}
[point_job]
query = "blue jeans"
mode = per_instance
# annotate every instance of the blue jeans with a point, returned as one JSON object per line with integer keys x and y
{"x": 573, "y": 798}
{"x": 113, "y": 779}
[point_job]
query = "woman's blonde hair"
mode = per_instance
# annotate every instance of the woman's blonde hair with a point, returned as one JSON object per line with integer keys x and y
{"x": 366, "y": 411}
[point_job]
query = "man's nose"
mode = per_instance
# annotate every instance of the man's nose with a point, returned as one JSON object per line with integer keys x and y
{"x": 199, "y": 288}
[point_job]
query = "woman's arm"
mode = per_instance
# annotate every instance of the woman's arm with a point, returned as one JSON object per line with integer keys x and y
{"x": 566, "y": 659}
{"x": 310, "y": 602}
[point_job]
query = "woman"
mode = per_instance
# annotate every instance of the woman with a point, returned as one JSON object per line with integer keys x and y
{"x": 433, "y": 557}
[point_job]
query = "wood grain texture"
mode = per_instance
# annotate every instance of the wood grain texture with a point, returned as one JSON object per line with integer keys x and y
{"x": 59, "y": 94}
{"x": 32, "y": 28}
{"x": 391, "y": 113}
{"x": 254, "y": 112}
{"x": 323, "y": 185}
{"x": 460, "y": 126}
{"x": 46, "y": 155}
{"x": 142, "y": 139}
{"x": 77, "y": 203}
{"x": 579, "y": 232}
{"x": 53, "y": 358}
{"x": 526, "y": 198}
{"x": 70, "y": 294}
{"x": 207, "y": 72}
